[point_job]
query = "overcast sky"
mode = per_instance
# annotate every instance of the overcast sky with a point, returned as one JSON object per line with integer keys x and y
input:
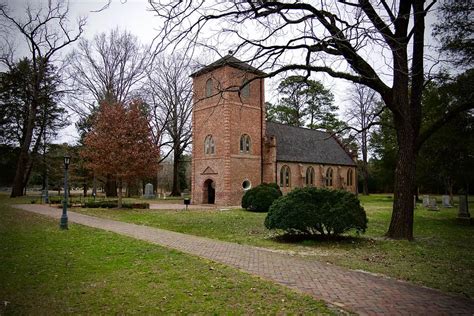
{"x": 133, "y": 16}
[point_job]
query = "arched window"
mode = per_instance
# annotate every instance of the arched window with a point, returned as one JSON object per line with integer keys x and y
{"x": 350, "y": 176}
{"x": 329, "y": 177}
{"x": 209, "y": 87}
{"x": 245, "y": 144}
{"x": 285, "y": 176}
{"x": 310, "y": 176}
{"x": 245, "y": 92}
{"x": 209, "y": 147}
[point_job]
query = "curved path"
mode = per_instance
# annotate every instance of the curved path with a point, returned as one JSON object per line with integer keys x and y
{"x": 351, "y": 290}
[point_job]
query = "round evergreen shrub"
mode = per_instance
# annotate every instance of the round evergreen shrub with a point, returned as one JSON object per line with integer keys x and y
{"x": 259, "y": 198}
{"x": 317, "y": 211}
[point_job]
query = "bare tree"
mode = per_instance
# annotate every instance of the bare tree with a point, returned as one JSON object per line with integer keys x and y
{"x": 109, "y": 68}
{"x": 377, "y": 44}
{"x": 169, "y": 94}
{"x": 46, "y": 32}
{"x": 361, "y": 116}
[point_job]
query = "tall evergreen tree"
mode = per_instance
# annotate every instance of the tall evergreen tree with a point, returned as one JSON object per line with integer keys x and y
{"x": 306, "y": 103}
{"x": 16, "y": 97}
{"x": 455, "y": 30}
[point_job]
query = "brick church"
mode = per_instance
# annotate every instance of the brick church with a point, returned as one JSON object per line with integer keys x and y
{"x": 235, "y": 148}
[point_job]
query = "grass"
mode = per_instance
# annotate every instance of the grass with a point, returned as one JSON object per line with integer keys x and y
{"x": 44, "y": 270}
{"x": 441, "y": 255}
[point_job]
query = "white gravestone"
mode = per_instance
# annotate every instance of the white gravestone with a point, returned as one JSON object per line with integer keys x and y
{"x": 446, "y": 201}
{"x": 426, "y": 200}
{"x": 149, "y": 191}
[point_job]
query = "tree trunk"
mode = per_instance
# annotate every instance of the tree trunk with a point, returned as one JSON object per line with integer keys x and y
{"x": 365, "y": 171}
{"x": 365, "y": 179}
{"x": 110, "y": 187}
{"x": 176, "y": 190}
{"x": 133, "y": 188}
{"x": 94, "y": 186}
{"x": 84, "y": 189}
{"x": 119, "y": 193}
{"x": 22, "y": 165}
{"x": 401, "y": 224}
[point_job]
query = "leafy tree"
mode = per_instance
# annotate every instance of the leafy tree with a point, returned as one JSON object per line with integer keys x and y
{"x": 8, "y": 159}
{"x": 334, "y": 37}
{"x": 447, "y": 158}
{"x": 120, "y": 144}
{"x": 16, "y": 95}
{"x": 455, "y": 30}
{"x": 47, "y": 31}
{"x": 383, "y": 141}
{"x": 305, "y": 102}
{"x": 111, "y": 67}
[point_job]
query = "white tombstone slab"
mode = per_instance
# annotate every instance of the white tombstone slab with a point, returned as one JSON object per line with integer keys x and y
{"x": 446, "y": 201}
{"x": 426, "y": 200}
{"x": 149, "y": 191}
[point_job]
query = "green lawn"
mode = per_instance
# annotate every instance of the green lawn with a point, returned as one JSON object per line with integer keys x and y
{"x": 44, "y": 270}
{"x": 441, "y": 256}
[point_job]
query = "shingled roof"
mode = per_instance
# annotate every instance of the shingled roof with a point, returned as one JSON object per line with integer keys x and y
{"x": 297, "y": 144}
{"x": 228, "y": 60}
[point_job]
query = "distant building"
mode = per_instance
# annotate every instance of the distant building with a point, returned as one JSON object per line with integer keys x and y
{"x": 235, "y": 148}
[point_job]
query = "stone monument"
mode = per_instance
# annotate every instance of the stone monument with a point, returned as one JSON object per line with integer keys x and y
{"x": 446, "y": 201}
{"x": 149, "y": 191}
{"x": 433, "y": 206}
{"x": 426, "y": 200}
{"x": 463, "y": 214}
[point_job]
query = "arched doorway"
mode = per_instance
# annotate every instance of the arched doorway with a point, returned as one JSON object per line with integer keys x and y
{"x": 209, "y": 192}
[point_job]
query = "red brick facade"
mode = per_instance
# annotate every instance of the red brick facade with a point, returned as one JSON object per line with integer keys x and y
{"x": 221, "y": 112}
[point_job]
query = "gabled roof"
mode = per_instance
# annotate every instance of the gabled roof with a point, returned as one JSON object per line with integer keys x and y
{"x": 228, "y": 60}
{"x": 297, "y": 144}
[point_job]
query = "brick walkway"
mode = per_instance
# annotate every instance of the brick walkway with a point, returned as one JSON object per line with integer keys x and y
{"x": 351, "y": 290}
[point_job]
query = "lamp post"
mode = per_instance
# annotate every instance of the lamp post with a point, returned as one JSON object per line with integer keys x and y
{"x": 63, "y": 222}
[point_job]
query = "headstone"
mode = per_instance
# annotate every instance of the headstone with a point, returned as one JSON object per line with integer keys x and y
{"x": 463, "y": 214}
{"x": 432, "y": 205}
{"x": 446, "y": 201}
{"x": 426, "y": 200}
{"x": 149, "y": 191}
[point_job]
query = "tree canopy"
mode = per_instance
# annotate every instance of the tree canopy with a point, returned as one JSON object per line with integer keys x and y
{"x": 455, "y": 30}
{"x": 120, "y": 144}
{"x": 305, "y": 102}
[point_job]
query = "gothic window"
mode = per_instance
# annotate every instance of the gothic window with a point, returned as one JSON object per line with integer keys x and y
{"x": 329, "y": 177}
{"x": 246, "y": 88}
{"x": 245, "y": 144}
{"x": 350, "y": 177}
{"x": 209, "y": 87}
{"x": 209, "y": 147}
{"x": 285, "y": 176}
{"x": 310, "y": 177}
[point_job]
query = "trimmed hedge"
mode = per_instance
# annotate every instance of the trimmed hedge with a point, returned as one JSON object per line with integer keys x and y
{"x": 114, "y": 204}
{"x": 314, "y": 211}
{"x": 259, "y": 198}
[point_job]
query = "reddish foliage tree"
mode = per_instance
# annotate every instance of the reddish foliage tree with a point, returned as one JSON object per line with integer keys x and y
{"x": 120, "y": 143}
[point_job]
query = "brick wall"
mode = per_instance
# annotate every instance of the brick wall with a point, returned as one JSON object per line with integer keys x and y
{"x": 226, "y": 116}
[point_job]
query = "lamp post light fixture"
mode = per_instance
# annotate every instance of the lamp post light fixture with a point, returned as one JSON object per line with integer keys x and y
{"x": 63, "y": 222}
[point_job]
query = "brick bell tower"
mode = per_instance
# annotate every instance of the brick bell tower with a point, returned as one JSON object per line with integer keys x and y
{"x": 228, "y": 130}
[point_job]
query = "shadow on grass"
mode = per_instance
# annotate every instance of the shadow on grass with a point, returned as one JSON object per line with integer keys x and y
{"x": 306, "y": 240}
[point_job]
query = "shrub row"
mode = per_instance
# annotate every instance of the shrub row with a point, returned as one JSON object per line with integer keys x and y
{"x": 114, "y": 204}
